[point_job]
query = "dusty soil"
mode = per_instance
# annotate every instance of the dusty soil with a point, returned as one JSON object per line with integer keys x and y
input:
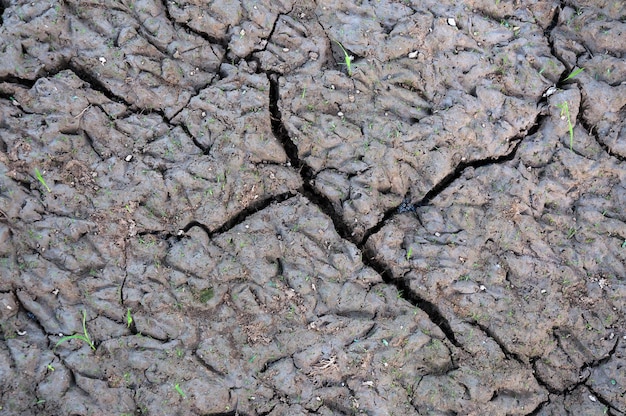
{"x": 232, "y": 221}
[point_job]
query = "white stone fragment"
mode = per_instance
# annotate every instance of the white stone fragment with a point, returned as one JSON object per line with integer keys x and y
{"x": 550, "y": 91}
{"x": 102, "y": 60}
{"x": 451, "y": 21}
{"x": 128, "y": 158}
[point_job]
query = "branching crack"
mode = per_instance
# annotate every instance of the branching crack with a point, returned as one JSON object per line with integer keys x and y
{"x": 368, "y": 258}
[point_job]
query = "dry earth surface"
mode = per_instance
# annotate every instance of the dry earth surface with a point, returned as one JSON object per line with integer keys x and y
{"x": 233, "y": 219}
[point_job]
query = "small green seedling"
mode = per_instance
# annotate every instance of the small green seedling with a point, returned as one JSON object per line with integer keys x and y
{"x": 83, "y": 337}
{"x": 41, "y": 179}
{"x": 180, "y": 391}
{"x": 409, "y": 253}
{"x": 573, "y": 74}
{"x": 347, "y": 58}
{"x": 570, "y": 127}
{"x": 129, "y": 318}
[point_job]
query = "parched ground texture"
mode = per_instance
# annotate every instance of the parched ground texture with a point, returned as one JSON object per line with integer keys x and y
{"x": 234, "y": 219}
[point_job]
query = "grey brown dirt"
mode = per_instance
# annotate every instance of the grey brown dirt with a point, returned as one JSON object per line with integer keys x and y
{"x": 252, "y": 227}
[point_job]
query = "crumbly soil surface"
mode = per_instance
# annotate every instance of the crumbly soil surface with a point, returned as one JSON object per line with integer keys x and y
{"x": 231, "y": 218}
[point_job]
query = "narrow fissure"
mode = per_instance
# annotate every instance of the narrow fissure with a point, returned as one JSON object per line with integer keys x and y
{"x": 96, "y": 84}
{"x": 240, "y": 217}
{"x": 408, "y": 206}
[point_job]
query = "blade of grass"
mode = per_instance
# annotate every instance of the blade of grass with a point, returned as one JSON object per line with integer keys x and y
{"x": 347, "y": 58}
{"x": 574, "y": 73}
{"x": 40, "y": 178}
{"x": 180, "y": 391}
{"x": 83, "y": 337}
{"x": 570, "y": 127}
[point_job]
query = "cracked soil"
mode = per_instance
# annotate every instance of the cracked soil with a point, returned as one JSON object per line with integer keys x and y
{"x": 253, "y": 225}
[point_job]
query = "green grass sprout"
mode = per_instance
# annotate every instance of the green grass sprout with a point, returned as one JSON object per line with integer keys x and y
{"x": 180, "y": 391}
{"x": 347, "y": 58}
{"x": 573, "y": 74}
{"x": 570, "y": 127}
{"x": 83, "y": 337}
{"x": 129, "y": 318}
{"x": 41, "y": 179}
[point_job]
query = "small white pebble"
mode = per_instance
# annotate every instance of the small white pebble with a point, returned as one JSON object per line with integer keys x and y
{"x": 242, "y": 33}
{"x": 203, "y": 114}
{"x": 413, "y": 54}
{"x": 180, "y": 232}
{"x": 332, "y": 87}
{"x": 483, "y": 288}
{"x": 285, "y": 49}
{"x": 340, "y": 114}
{"x": 21, "y": 333}
{"x": 102, "y": 60}
{"x": 592, "y": 398}
{"x": 9, "y": 307}
{"x": 543, "y": 291}
{"x": 451, "y": 21}
{"x": 128, "y": 158}
{"x": 437, "y": 234}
